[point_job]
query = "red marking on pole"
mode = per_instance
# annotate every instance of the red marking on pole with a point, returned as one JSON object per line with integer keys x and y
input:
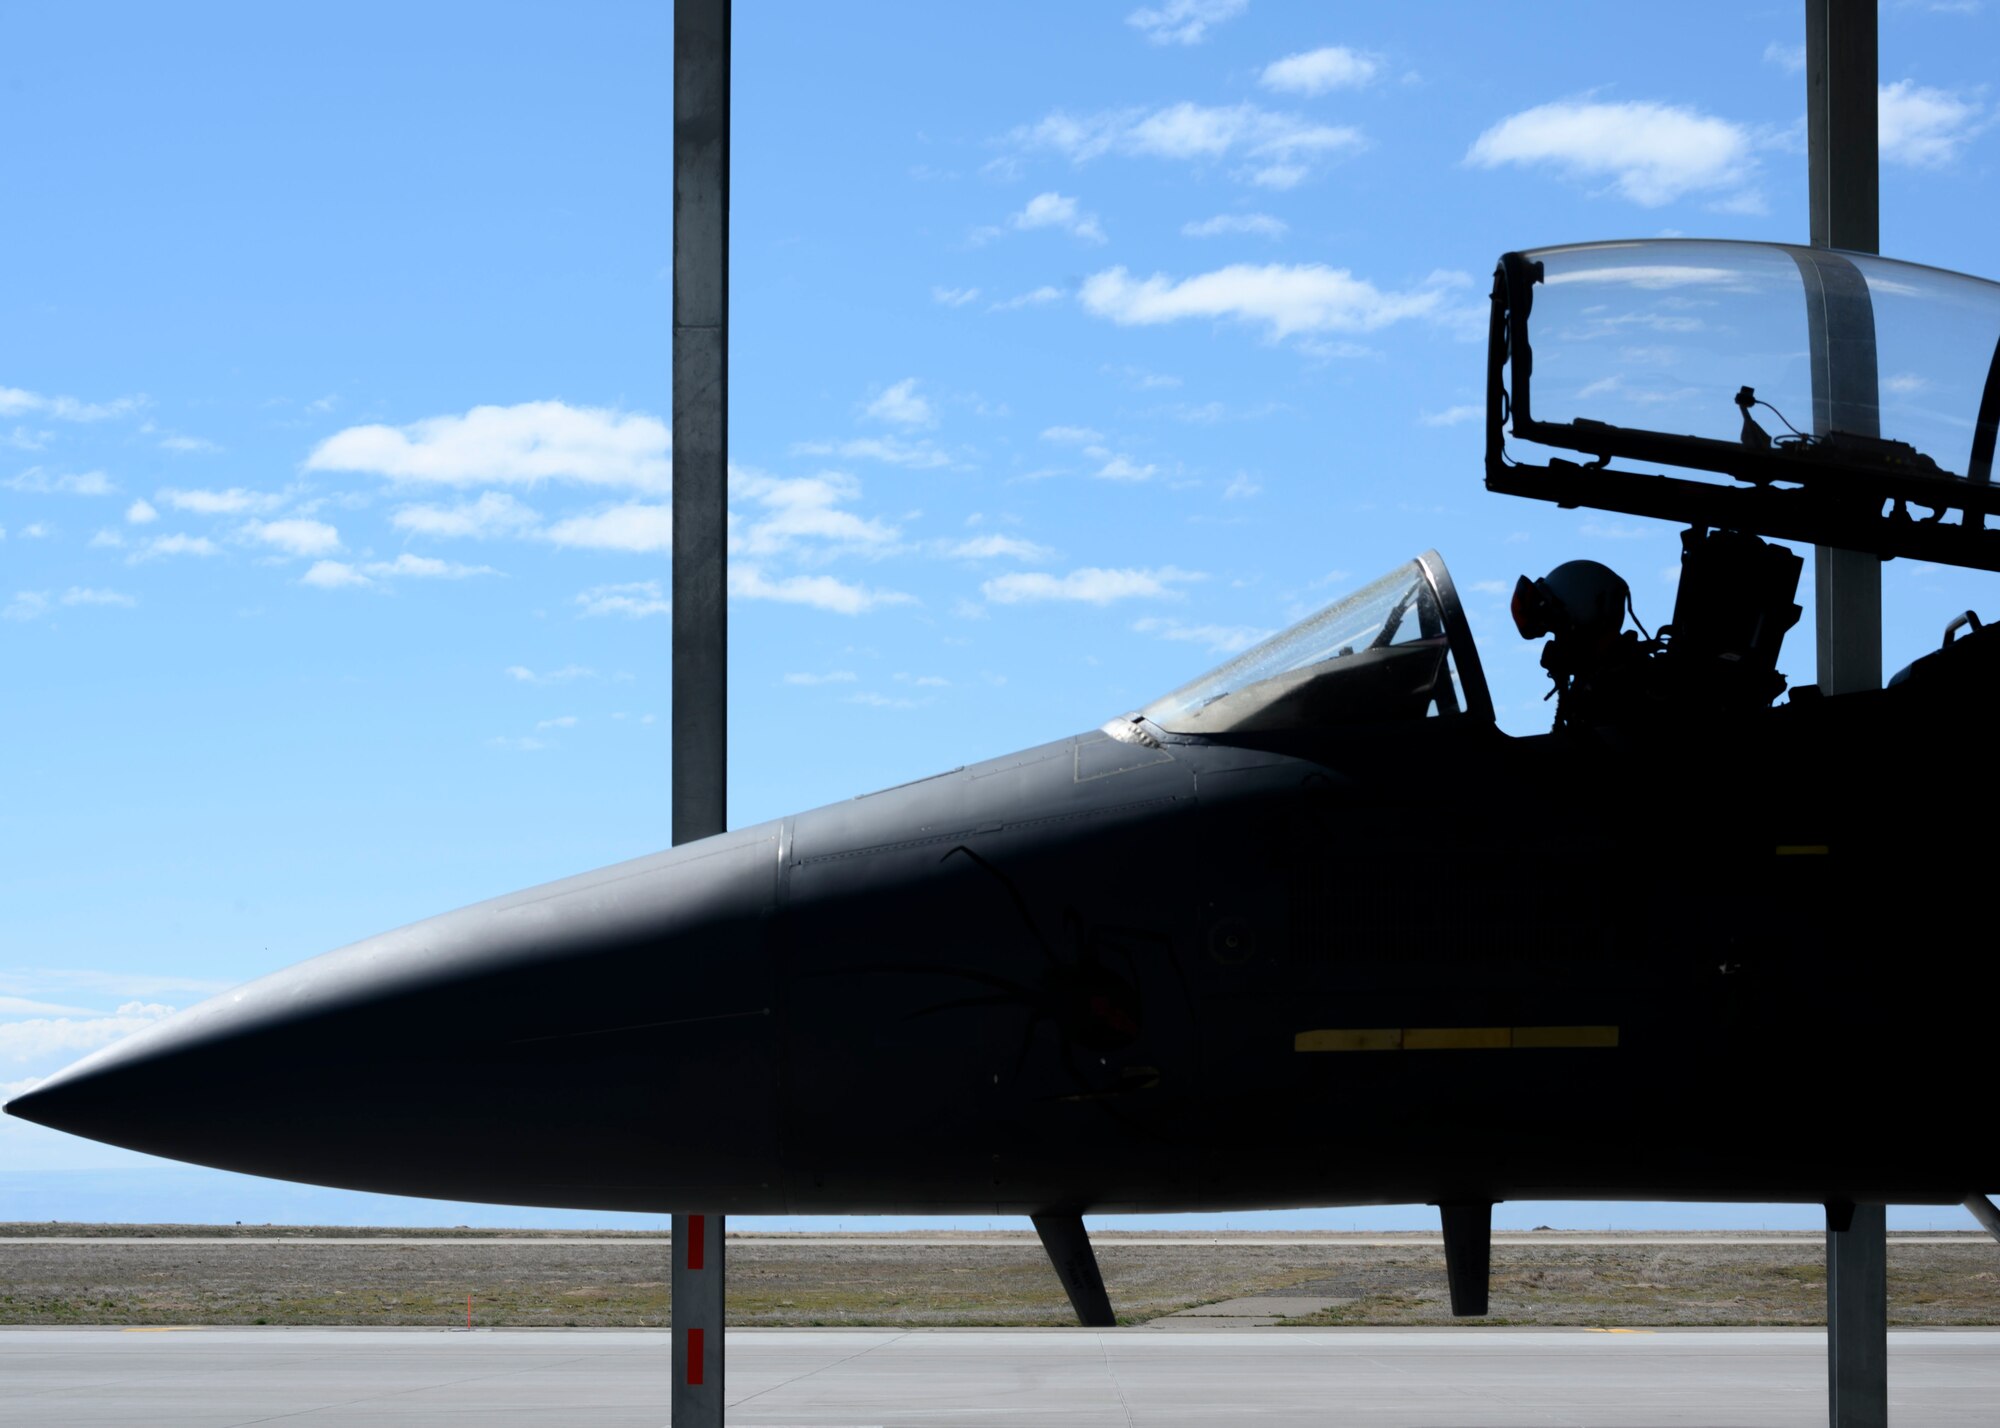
{"x": 696, "y": 1235}
{"x": 694, "y": 1353}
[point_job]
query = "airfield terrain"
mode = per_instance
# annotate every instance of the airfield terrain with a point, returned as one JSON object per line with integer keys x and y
{"x": 53, "y": 1274}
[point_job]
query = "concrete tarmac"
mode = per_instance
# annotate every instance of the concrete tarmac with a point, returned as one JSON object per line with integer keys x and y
{"x": 1051, "y": 1378}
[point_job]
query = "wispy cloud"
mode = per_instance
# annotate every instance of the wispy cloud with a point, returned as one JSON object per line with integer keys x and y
{"x": 1072, "y": 435}
{"x": 995, "y": 546}
{"x": 141, "y": 512}
{"x": 176, "y": 544}
{"x": 294, "y": 536}
{"x": 1221, "y": 639}
{"x": 39, "y": 481}
{"x": 1034, "y": 297}
{"x": 1650, "y": 153}
{"x": 1925, "y": 128}
{"x": 1054, "y": 210}
{"x": 796, "y": 510}
{"x": 634, "y": 599}
{"x": 1789, "y": 58}
{"x": 424, "y": 567}
{"x": 1183, "y": 22}
{"x": 900, "y": 405}
{"x": 233, "y": 502}
{"x": 1262, "y": 225}
{"x": 1321, "y": 71}
{"x": 1276, "y": 149}
{"x": 832, "y": 676}
{"x": 14, "y": 401}
{"x": 334, "y": 575}
{"x": 517, "y": 445}
{"x": 1452, "y": 416}
{"x": 1089, "y": 585}
{"x": 188, "y": 445}
{"x": 1287, "y": 299}
{"x": 90, "y": 595}
{"x": 954, "y": 297}
{"x": 636, "y": 526}
{"x": 917, "y": 455}
{"x": 523, "y": 675}
{"x": 493, "y": 513}
{"x": 821, "y": 592}
{"x": 37, "y": 1038}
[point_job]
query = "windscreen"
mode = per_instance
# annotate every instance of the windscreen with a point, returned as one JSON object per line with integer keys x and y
{"x": 1379, "y": 653}
{"x": 1662, "y": 335}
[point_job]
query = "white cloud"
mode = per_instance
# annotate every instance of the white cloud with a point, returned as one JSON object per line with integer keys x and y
{"x": 187, "y": 445}
{"x": 141, "y": 512}
{"x": 14, "y": 402}
{"x": 1120, "y": 467}
{"x": 564, "y": 675}
{"x": 1037, "y": 297}
{"x": 1278, "y": 148}
{"x": 1221, "y": 639}
{"x": 1241, "y": 487}
{"x": 22, "y": 439}
{"x": 804, "y": 508}
{"x": 1263, "y": 225}
{"x": 172, "y": 545}
{"x": 1054, "y": 210}
{"x": 1090, "y": 585}
{"x": 901, "y": 406}
{"x": 233, "y": 502}
{"x": 294, "y": 536}
{"x": 38, "y": 530}
{"x": 517, "y": 445}
{"x": 1789, "y": 58}
{"x": 85, "y": 595}
{"x": 822, "y": 592}
{"x": 40, "y": 482}
{"x": 493, "y": 513}
{"x": 917, "y": 455}
{"x": 522, "y": 745}
{"x": 1071, "y": 435}
{"x": 990, "y": 547}
{"x": 561, "y": 721}
{"x": 1905, "y": 384}
{"x": 41, "y": 1037}
{"x": 1924, "y": 128}
{"x": 833, "y": 676}
{"x": 26, "y": 605}
{"x": 635, "y": 527}
{"x": 423, "y": 567}
{"x": 1183, "y": 22}
{"x": 1319, "y": 71}
{"x": 333, "y": 575}
{"x": 107, "y": 539}
{"x": 1452, "y": 416}
{"x": 1287, "y": 298}
{"x": 954, "y": 297}
{"x": 1651, "y": 153}
{"x": 874, "y": 700}
{"x": 634, "y": 599}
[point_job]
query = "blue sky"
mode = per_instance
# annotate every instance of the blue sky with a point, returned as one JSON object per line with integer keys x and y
{"x": 1073, "y": 348}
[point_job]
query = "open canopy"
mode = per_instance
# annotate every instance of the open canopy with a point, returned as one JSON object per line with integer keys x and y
{"x": 1855, "y": 397}
{"x": 1397, "y": 648}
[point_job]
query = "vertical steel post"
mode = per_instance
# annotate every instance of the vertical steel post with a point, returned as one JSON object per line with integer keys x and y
{"x": 1842, "y": 149}
{"x": 701, "y": 416}
{"x": 700, "y": 587}
{"x": 1857, "y": 1316}
{"x": 697, "y": 1290}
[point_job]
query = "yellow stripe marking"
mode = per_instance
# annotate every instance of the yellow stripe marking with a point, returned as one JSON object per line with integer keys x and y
{"x": 1376, "y": 1039}
{"x": 1801, "y": 850}
{"x": 1457, "y": 1038}
{"x": 1454, "y": 1038}
{"x": 1617, "y": 1331}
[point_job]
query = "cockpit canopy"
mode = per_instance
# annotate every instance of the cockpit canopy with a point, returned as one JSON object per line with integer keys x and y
{"x": 1396, "y": 649}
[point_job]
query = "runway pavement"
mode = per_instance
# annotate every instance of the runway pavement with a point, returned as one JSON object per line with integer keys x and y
{"x": 833, "y": 1378}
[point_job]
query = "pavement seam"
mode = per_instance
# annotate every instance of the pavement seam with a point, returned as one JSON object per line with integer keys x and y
{"x": 799, "y": 1378}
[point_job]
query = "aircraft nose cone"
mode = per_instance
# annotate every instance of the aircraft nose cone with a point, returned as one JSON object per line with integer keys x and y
{"x": 600, "y": 1042}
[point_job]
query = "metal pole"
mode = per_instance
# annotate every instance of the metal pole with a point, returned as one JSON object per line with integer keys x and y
{"x": 697, "y": 1290}
{"x": 701, "y": 416}
{"x": 1857, "y": 1316}
{"x": 700, "y": 585}
{"x": 1842, "y": 148}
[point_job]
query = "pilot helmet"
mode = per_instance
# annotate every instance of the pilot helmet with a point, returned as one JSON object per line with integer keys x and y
{"x": 1578, "y": 597}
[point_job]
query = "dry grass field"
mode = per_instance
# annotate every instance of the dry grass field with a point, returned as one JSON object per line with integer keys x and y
{"x": 134, "y": 1275}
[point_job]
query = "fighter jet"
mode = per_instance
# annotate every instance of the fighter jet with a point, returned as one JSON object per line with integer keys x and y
{"x": 1309, "y": 930}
